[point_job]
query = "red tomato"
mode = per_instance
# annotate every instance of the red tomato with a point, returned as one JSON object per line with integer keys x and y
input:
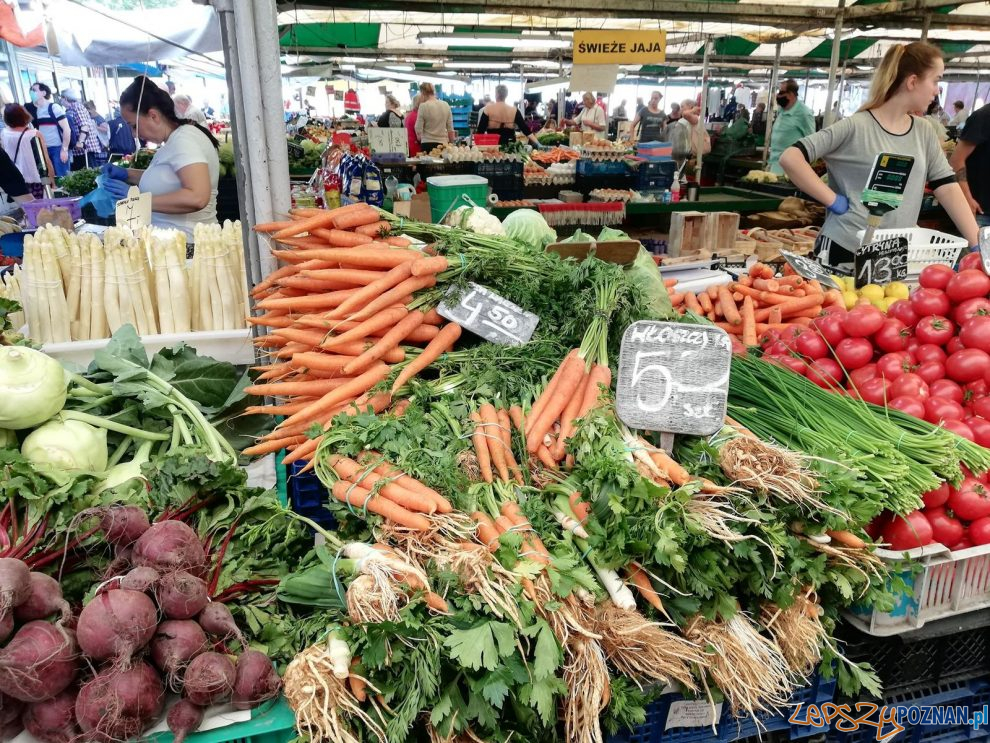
{"x": 967, "y": 365}
{"x": 811, "y": 345}
{"x": 826, "y": 373}
{"x": 967, "y": 284}
{"x": 970, "y": 503}
{"x": 931, "y": 371}
{"x": 946, "y": 389}
{"x": 790, "y": 362}
{"x": 830, "y": 326}
{"x": 981, "y": 430}
{"x": 929, "y": 352}
{"x": 974, "y": 390}
{"x": 776, "y": 349}
{"x": 913, "y": 344}
{"x": 892, "y": 336}
{"x": 908, "y": 404}
{"x": 967, "y": 310}
{"x": 971, "y": 260}
{"x": 854, "y": 353}
{"x": 981, "y": 406}
{"x": 946, "y": 529}
{"x": 959, "y": 429}
{"x": 893, "y": 365}
{"x": 975, "y": 332}
{"x": 875, "y": 528}
{"x": 909, "y": 384}
{"x": 930, "y": 302}
{"x": 908, "y": 532}
{"x": 935, "y": 329}
{"x": 862, "y": 374}
{"x": 938, "y": 409}
{"x": 937, "y": 497}
{"x": 903, "y": 311}
{"x": 935, "y": 276}
{"x": 789, "y": 334}
{"x": 874, "y": 390}
{"x": 979, "y": 531}
{"x": 962, "y": 544}
{"x": 954, "y": 345}
{"x": 738, "y": 349}
{"x": 862, "y": 321}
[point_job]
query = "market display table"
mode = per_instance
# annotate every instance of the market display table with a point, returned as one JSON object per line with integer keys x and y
{"x": 715, "y": 199}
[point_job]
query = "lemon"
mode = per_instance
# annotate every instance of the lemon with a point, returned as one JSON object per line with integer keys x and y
{"x": 849, "y": 282}
{"x": 872, "y": 292}
{"x": 840, "y": 281}
{"x": 897, "y": 290}
{"x": 850, "y": 299}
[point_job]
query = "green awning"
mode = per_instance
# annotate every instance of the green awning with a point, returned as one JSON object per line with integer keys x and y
{"x": 657, "y": 69}
{"x": 732, "y": 45}
{"x": 331, "y": 35}
{"x": 849, "y": 49}
{"x": 953, "y": 48}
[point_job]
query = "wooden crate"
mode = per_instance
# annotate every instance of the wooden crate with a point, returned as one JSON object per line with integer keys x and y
{"x": 690, "y": 233}
{"x": 723, "y": 229}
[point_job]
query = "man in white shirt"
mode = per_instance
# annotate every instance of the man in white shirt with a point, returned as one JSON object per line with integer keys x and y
{"x": 186, "y": 110}
{"x": 958, "y": 119}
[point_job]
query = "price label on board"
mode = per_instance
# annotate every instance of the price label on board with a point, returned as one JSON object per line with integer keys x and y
{"x": 489, "y": 315}
{"x": 134, "y": 211}
{"x": 673, "y": 377}
{"x": 985, "y": 247}
{"x": 692, "y": 713}
{"x": 881, "y": 262}
{"x": 810, "y": 269}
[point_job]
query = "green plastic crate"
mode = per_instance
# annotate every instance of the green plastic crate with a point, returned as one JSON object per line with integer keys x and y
{"x": 269, "y": 723}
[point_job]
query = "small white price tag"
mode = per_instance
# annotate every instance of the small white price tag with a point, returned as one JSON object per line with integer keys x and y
{"x": 134, "y": 211}
{"x": 692, "y": 713}
{"x": 491, "y": 316}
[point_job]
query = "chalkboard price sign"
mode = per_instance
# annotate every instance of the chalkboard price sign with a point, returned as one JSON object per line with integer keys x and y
{"x": 673, "y": 377}
{"x": 810, "y": 269}
{"x": 489, "y": 315}
{"x": 882, "y": 262}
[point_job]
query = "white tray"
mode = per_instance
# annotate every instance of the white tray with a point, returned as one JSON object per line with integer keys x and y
{"x": 232, "y": 346}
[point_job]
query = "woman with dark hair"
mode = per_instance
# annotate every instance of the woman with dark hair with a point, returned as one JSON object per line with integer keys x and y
{"x": 182, "y": 177}
{"x": 51, "y": 121}
{"x": 18, "y": 141}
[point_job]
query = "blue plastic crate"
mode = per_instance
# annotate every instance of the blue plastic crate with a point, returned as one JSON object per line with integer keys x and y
{"x": 655, "y": 176}
{"x": 308, "y": 497}
{"x": 971, "y": 695}
{"x": 738, "y": 728}
{"x": 654, "y": 729}
{"x": 602, "y": 167}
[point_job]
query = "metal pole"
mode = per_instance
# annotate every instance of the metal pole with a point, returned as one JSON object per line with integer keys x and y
{"x": 833, "y": 65}
{"x": 807, "y": 85}
{"x": 772, "y": 104}
{"x": 926, "y": 24}
{"x": 704, "y": 100}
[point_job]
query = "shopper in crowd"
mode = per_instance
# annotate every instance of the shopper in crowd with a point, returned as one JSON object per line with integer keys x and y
{"x": 392, "y": 118}
{"x": 182, "y": 177}
{"x": 12, "y": 182}
{"x": 619, "y": 113}
{"x": 410, "y": 124}
{"x": 435, "y": 122}
{"x": 121, "y": 137}
{"x": 729, "y": 110}
{"x": 102, "y": 127}
{"x": 675, "y": 112}
{"x": 502, "y": 119}
{"x": 793, "y": 121}
{"x": 649, "y": 123}
{"x": 591, "y": 117}
{"x": 739, "y": 128}
{"x": 758, "y": 124}
{"x": 88, "y": 152}
{"x": 49, "y": 119}
{"x": 185, "y": 109}
{"x": 959, "y": 116}
{"x": 972, "y": 155}
{"x": 18, "y": 141}
{"x": 688, "y": 136}
{"x": 639, "y": 106}
{"x": 905, "y": 81}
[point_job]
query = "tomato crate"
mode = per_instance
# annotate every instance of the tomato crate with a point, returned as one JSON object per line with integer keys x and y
{"x": 943, "y": 584}
{"x": 308, "y": 497}
{"x": 925, "y": 247}
{"x": 272, "y": 722}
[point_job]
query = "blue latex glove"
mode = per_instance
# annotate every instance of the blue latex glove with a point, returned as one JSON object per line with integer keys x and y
{"x": 117, "y": 189}
{"x": 840, "y": 205}
{"x": 114, "y": 171}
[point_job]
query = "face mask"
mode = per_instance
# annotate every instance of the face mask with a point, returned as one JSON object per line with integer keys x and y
{"x": 37, "y": 96}
{"x": 782, "y": 100}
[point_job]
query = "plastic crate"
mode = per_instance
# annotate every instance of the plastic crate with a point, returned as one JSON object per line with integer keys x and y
{"x": 819, "y": 691}
{"x": 485, "y": 140}
{"x": 308, "y": 497}
{"x": 905, "y": 665}
{"x": 655, "y": 176}
{"x": 946, "y": 585}
{"x": 601, "y": 167}
{"x": 269, "y": 723}
{"x": 505, "y": 178}
{"x": 925, "y": 247}
{"x": 31, "y": 208}
{"x": 587, "y": 183}
{"x": 972, "y": 695}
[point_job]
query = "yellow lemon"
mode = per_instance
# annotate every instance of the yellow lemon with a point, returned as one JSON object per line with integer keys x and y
{"x": 849, "y": 282}
{"x": 840, "y": 281}
{"x": 897, "y": 290}
{"x": 850, "y": 299}
{"x": 872, "y": 292}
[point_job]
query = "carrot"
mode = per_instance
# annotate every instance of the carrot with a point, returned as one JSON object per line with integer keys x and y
{"x": 302, "y": 451}
{"x": 775, "y": 316}
{"x": 299, "y": 335}
{"x": 357, "y": 331}
{"x": 271, "y": 321}
{"x": 541, "y": 401}
{"x": 422, "y": 334}
{"x": 362, "y": 498}
{"x": 343, "y": 239}
{"x": 833, "y": 296}
{"x": 792, "y": 306}
{"x": 399, "y": 408}
{"x": 481, "y": 449}
{"x": 359, "y": 687}
{"x": 434, "y": 318}
{"x": 517, "y": 418}
{"x": 357, "y": 386}
{"x": 691, "y": 302}
{"x": 398, "y": 242}
{"x": 737, "y": 298}
{"x": 729, "y": 310}
{"x": 303, "y": 243}
{"x": 372, "y": 255}
{"x": 444, "y": 341}
{"x": 847, "y": 539}
{"x": 267, "y": 447}
{"x": 281, "y": 409}
{"x": 355, "y": 219}
{"x": 375, "y": 229}
{"x": 409, "y": 286}
{"x": 793, "y": 280}
{"x": 307, "y": 302}
{"x": 766, "y": 285}
{"x": 810, "y": 313}
{"x": 676, "y": 299}
{"x": 487, "y": 531}
{"x": 314, "y": 286}
{"x": 374, "y": 290}
{"x": 706, "y": 303}
{"x": 272, "y": 278}
{"x": 670, "y": 469}
{"x": 600, "y": 376}
{"x": 350, "y": 277}
{"x": 305, "y": 225}
{"x": 568, "y": 417}
{"x": 641, "y": 580}
{"x": 572, "y": 373}
{"x": 389, "y": 341}
{"x": 408, "y": 482}
{"x": 350, "y": 470}
{"x": 273, "y": 226}
{"x": 425, "y": 266}
{"x": 749, "y": 322}
{"x": 316, "y": 388}
{"x": 579, "y": 508}
{"x": 488, "y": 421}
{"x": 546, "y": 458}
{"x": 746, "y": 280}
{"x": 505, "y": 432}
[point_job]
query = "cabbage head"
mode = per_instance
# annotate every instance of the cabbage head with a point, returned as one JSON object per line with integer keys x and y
{"x": 530, "y": 228}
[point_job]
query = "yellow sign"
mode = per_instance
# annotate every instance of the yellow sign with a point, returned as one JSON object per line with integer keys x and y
{"x": 620, "y": 47}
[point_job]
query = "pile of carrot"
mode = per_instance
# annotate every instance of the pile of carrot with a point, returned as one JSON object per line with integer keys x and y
{"x": 758, "y": 302}
{"x": 340, "y": 321}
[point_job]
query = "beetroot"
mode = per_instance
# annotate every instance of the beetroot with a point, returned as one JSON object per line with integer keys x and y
{"x": 44, "y": 599}
{"x": 116, "y": 624}
{"x": 14, "y": 586}
{"x": 6, "y": 626}
{"x": 168, "y": 546}
{"x": 10, "y": 710}
{"x": 256, "y": 680}
{"x": 217, "y": 620}
{"x": 182, "y": 595}
{"x": 176, "y": 642}
{"x": 122, "y": 525}
{"x": 140, "y": 579}
{"x": 118, "y": 704}
{"x": 54, "y": 720}
{"x": 184, "y": 718}
{"x": 209, "y": 679}
{"x": 40, "y": 662}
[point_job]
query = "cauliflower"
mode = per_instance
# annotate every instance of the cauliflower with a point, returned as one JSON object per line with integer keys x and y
{"x": 474, "y": 219}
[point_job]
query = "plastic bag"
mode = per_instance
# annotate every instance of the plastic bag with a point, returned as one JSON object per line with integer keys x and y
{"x": 102, "y": 200}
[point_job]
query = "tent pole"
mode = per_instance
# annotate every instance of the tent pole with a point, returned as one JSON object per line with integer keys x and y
{"x": 772, "y": 104}
{"x": 926, "y": 25}
{"x": 807, "y": 85}
{"x": 704, "y": 99}
{"x": 833, "y": 65}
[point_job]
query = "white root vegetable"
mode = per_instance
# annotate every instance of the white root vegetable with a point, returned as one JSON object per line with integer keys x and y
{"x": 617, "y": 590}
{"x": 340, "y": 657}
{"x": 570, "y": 524}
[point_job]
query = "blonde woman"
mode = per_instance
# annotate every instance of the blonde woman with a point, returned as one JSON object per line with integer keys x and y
{"x": 906, "y": 81}
{"x": 392, "y": 118}
{"x": 434, "y": 121}
{"x": 591, "y": 118}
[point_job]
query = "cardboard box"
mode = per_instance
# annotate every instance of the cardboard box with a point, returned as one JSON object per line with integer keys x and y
{"x": 622, "y": 252}
{"x": 418, "y": 208}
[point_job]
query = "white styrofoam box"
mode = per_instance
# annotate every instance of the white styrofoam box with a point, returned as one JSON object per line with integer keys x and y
{"x": 232, "y": 346}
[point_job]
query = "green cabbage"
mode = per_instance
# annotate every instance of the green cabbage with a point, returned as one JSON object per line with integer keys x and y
{"x": 530, "y": 228}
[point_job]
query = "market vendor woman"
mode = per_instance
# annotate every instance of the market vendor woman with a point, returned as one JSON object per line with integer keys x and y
{"x": 906, "y": 81}
{"x": 182, "y": 177}
{"x": 502, "y": 119}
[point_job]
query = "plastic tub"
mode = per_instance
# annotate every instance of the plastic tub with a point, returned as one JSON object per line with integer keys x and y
{"x": 925, "y": 247}
{"x": 31, "y": 208}
{"x": 485, "y": 140}
{"x": 447, "y": 192}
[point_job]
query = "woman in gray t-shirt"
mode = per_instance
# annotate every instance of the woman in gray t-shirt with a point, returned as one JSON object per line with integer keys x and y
{"x": 905, "y": 82}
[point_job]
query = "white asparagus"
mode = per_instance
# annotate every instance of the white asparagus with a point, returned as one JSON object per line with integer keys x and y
{"x": 84, "y": 296}
{"x": 74, "y": 288}
{"x": 98, "y": 323}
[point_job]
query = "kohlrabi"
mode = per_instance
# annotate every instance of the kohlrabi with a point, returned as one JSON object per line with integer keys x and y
{"x": 67, "y": 445}
{"x": 32, "y": 387}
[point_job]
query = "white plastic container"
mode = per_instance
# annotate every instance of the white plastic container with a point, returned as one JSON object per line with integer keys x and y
{"x": 925, "y": 247}
{"x": 232, "y": 346}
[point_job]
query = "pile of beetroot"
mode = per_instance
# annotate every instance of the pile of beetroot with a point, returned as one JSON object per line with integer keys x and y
{"x": 103, "y": 675}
